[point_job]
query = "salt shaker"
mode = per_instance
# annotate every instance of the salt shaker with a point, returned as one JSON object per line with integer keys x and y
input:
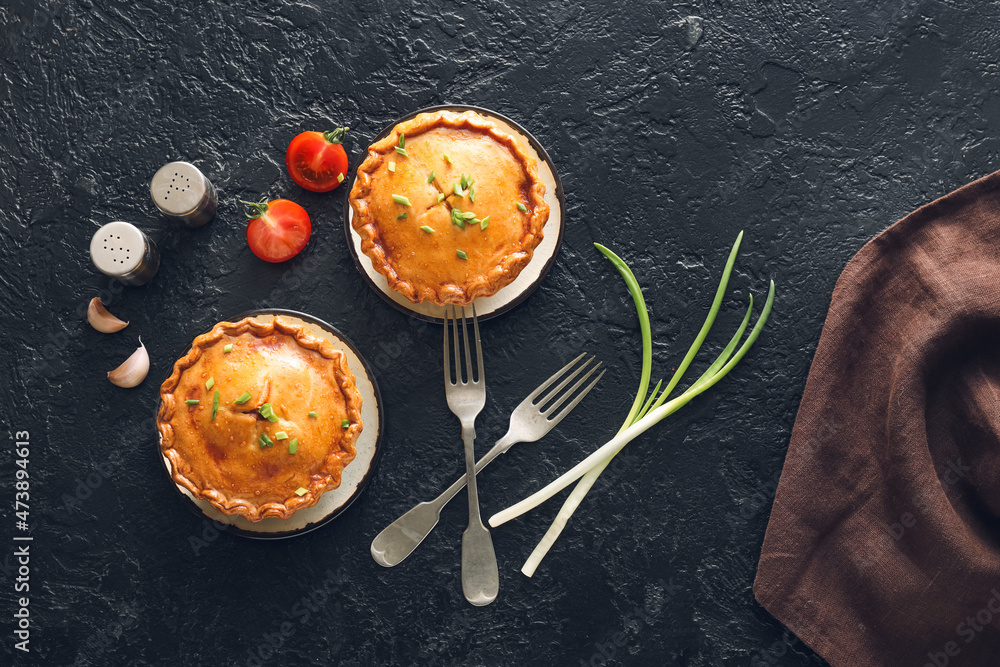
{"x": 184, "y": 194}
{"x": 122, "y": 251}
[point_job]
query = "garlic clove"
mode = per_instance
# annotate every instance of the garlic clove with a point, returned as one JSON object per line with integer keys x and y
{"x": 134, "y": 370}
{"x": 101, "y": 319}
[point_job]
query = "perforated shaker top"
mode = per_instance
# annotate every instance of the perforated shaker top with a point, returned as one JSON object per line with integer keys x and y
{"x": 117, "y": 248}
{"x": 178, "y": 188}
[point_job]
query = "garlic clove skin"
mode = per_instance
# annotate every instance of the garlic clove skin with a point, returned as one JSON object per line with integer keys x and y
{"x": 101, "y": 319}
{"x": 133, "y": 371}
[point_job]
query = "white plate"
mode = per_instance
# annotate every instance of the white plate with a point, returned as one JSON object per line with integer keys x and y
{"x": 529, "y": 278}
{"x": 354, "y": 477}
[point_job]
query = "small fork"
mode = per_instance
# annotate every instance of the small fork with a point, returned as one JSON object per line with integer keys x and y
{"x": 531, "y": 420}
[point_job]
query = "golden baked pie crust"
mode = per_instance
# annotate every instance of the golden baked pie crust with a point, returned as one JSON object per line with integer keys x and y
{"x": 367, "y": 224}
{"x": 196, "y": 463}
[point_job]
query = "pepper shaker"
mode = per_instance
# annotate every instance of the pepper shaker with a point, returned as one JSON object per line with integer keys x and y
{"x": 184, "y": 194}
{"x": 122, "y": 251}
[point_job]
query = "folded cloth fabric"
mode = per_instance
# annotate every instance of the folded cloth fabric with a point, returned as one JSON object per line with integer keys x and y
{"x": 883, "y": 546}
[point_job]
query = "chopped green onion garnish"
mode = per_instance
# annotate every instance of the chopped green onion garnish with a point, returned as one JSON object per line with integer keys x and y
{"x": 244, "y": 397}
{"x": 430, "y": 179}
{"x": 344, "y": 423}
{"x": 281, "y": 435}
{"x": 440, "y": 197}
{"x": 215, "y": 403}
{"x": 447, "y": 159}
{"x": 265, "y": 441}
{"x": 468, "y": 215}
{"x": 301, "y": 491}
{"x": 340, "y": 178}
{"x": 192, "y": 401}
{"x": 472, "y": 194}
{"x": 400, "y": 216}
{"x": 461, "y": 254}
{"x": 313, "y": 413}
{"x": 457, "y": 189}
{"x": 402, "y": 151}
{"x": 293, "y": 446}
{"x": 427, "y": 229}
{"x": 267, "y": 412}
{"x": 457, "y": 219}
{"x": 402, "y": 140}
{"x": 392, "y": 167}
{"x": 210, "y": 383}
{"x": 485, "y": 223}
{"x": 521, "y": 207}
{"x": 400, "y": 199}
{"x": 227, "y": 348}
{"x": 467, "y": 182}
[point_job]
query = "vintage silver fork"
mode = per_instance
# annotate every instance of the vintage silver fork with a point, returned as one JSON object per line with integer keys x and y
{"x": 466, "y": 398}
{"x": 531, "y": 420}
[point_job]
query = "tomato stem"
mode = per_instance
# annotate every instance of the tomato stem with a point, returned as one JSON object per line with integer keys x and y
{"x": 254, "y": 209}
{"x": 335, "y": 136}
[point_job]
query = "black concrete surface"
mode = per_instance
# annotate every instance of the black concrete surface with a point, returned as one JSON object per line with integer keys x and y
{"x": 811, "y": 126}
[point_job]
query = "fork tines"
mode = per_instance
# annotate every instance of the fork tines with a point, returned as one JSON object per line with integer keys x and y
{"x": 473, "y": 374}
{"x": 542, "y": 402}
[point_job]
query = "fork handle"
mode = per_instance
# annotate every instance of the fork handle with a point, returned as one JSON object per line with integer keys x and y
{"x": 400, "y": 538}
{"x": 502, "y": 445}
{"x": 469, "y": 440}
{"x": 480, "y": 575}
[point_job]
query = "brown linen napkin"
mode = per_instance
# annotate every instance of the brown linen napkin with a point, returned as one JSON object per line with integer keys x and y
{"x": 883, "y": 546}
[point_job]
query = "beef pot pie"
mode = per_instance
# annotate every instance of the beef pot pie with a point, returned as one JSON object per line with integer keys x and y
{"x": 449, "y": 207}
{"x": 259, "y": 419}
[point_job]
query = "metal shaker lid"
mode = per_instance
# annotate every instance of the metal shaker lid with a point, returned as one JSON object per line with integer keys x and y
{"x": 178, "y": 188}
{"x": 117, "y": 248}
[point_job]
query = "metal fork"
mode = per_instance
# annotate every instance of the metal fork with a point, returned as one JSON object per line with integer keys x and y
{"x": 531, "y": 420}
{"x": 466, "y": 398}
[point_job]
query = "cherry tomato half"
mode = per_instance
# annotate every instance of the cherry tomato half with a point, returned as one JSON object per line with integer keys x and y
{"x": 317, "y": 161}
{"x": 279, "y": 229}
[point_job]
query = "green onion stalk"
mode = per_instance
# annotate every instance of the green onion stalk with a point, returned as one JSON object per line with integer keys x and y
{"x": 645, "y": 411}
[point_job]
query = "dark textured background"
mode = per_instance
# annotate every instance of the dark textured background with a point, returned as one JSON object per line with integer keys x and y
{"x": 810, "y": 125}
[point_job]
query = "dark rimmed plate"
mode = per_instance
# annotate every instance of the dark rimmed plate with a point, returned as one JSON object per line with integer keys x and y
{"x": 355, "y": 476}
{"x": 529, "y": 278}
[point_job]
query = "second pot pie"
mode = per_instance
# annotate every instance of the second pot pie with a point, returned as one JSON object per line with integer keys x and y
{"x": 449, "y": 207}
{"x": 259, "y": 419}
